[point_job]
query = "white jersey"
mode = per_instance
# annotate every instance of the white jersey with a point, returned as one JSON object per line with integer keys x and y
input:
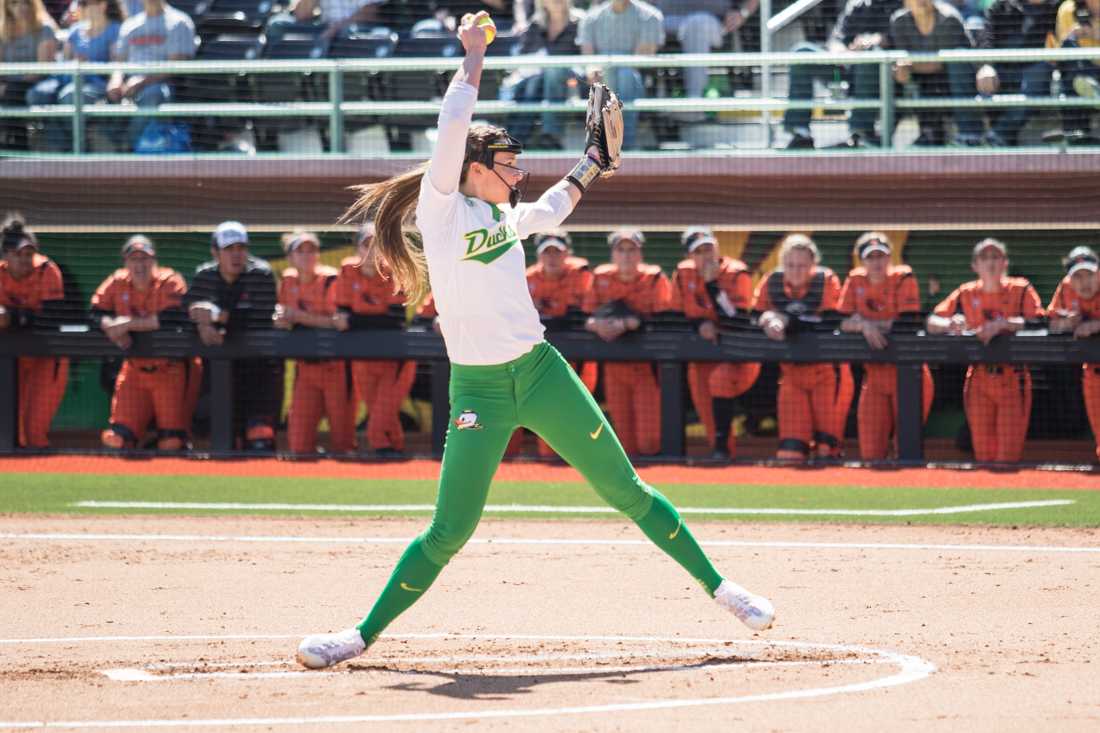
{"x": 475, "y": 250}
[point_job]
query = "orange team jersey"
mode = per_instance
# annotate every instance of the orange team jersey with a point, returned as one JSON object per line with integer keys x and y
{"x": 318, "y": 296}
{"x": 43, "y": 283}
{"x": 690, "y": 294}
{"x": 1015, "y": 298}
{"x": 820, "y": 293}
{"x": 118, "y": 295}
{"x": 1066, "y": 300}
{"x": 897, "y": 294}
{"x": 646, "y": 294}
{"x": 554, "y": 297}
{"x": 363, "y": 295}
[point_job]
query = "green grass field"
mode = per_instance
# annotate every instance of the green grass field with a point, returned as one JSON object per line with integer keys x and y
{"x": 46, "y": 493}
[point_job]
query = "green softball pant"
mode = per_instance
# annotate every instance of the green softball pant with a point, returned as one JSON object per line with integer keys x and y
{"x": 541, "y": 392}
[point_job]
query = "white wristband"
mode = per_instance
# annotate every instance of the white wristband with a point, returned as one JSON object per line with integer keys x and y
{"x": 215, "y": 313}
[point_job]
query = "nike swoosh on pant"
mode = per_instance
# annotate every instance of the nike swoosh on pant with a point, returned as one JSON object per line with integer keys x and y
{"x": 596, "y": 433}
{"x": 679, "y": 524}
{"x": 410, "y": 589}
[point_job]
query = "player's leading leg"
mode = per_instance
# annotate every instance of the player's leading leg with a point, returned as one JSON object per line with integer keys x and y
{"x": 483, "y": 416}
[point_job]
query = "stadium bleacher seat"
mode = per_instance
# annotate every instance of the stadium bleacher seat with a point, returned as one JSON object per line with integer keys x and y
{"x": 195, "y": 8}
{"x": 363, "y": 43}
{"x": 210, "y": 134}
{"x": 234, "y": 16}
{"x": 297, "y": 42}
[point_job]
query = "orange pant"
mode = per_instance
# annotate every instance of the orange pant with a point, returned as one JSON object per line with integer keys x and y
{"x": 813, "y": 406}
{"x": 634, "y": 401}
{"x": 708, "y": 380}
{"x": 1090, "y": 383}
{"x": 383, "y": 386}
{"x": 998, "y": 406}
{"x": 144, "y": 391}
{"x": 878, "y": 408}
{"x": 589, "y": 374}
{"x": 42, "y": 382}
{"x": 321, "y": 388}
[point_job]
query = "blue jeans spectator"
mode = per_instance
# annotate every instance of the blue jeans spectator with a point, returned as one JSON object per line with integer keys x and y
{"x": 549, "y": 85}
{"x": 956, "y": 80}
{"x": 60, "y": 90}
{"x": 627, "y": 83}
{"x": 863, "y": 82}
{"x": 1031, "y": 81}
{"x": 152, "y": 95}
{"x": 1076, "y": 118}
{"x": 697, "y": 33}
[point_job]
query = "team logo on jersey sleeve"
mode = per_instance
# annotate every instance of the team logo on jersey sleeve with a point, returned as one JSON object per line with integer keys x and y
{"x": 467, "y": 420}
{"x": 486, "y": 245}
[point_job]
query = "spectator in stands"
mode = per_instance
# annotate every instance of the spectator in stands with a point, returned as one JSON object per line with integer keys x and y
{"x": 622, "y": 27}
{"x": 1077, "y": 25}
{"x": 813, "y": 398}
{"x": 864, "y": 25}
{"x": 707, "y": 288}
{"x": 558, "y": 289}
{"x": 1075, "y": 308}
{"x": 1015, "y": 24}
{"x": 927, "y": 26}
{"x": 337, "y": 15}
{"x": 232, "y": 293}
{"x": 31, "y": 294}
{"x": 365, "y": 295}
{"x": 322, "y": 387}
{"x": 158, "y": 33}
{"x": 700, "y": 26}
{"x": 142, "y": 296}
{"x": 624, "y": 293}
{"x": 27, "y": 34}
{"x": 91, "y": 39}
{"x": 876, "y": 297}
{"x": 553, "y": 32}
{"x": 997, "y": 397}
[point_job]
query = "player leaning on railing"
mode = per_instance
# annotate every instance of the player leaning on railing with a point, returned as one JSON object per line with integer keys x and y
{"x": 503, "y": 374}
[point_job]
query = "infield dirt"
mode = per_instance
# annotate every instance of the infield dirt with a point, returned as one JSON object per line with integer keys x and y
{"x": 1012, "y": 633}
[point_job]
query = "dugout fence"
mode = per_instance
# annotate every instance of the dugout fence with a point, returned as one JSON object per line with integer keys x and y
{"x": 668, "y": 345}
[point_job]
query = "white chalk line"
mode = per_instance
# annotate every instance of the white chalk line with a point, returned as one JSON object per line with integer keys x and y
{"x": 910, "y": 669}
{"x": 714, "y": 663}
{"x": 522, "y": 541}
{"x": 551, "y": 509}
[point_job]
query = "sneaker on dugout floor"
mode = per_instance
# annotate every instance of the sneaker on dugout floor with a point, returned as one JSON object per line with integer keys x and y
{"x": 324, "y": 650}
{"x": 756, "y": 612}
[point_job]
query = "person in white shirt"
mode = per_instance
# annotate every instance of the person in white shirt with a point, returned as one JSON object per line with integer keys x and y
{"x": 504, "y": 376}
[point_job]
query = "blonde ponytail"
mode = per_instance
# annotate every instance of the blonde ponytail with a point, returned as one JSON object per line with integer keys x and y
{"x": 390, "y": 204}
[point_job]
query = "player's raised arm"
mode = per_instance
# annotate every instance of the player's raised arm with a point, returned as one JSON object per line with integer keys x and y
{"x": 445, "y": 169}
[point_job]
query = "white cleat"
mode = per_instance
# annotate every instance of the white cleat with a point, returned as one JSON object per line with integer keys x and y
{"x": 324, "y": 650}
{"x": 756, "y": 612}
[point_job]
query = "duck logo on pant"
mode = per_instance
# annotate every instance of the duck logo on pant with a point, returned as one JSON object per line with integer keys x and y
{"x": 467, "y": 420}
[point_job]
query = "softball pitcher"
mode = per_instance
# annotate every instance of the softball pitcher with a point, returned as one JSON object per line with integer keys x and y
{"x": 503, "y": 374}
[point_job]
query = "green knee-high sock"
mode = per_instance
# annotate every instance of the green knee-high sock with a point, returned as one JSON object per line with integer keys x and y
{"x": 412, "y": 576}
{"x": 667, "y": 530}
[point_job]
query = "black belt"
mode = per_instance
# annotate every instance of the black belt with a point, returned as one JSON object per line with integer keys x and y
{"x": 998, "y": 369}
{"x": 148, "y": 369}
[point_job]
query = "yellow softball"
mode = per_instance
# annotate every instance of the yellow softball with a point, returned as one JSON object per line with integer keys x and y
{"x": 490, "y": 28}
